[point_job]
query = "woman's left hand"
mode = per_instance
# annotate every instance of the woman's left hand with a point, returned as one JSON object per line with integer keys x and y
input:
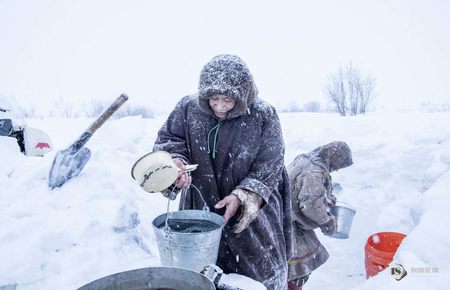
{"x": 232, "y": 203}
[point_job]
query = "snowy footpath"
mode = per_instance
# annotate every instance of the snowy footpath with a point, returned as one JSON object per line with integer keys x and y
{"x": 100, "y": 222}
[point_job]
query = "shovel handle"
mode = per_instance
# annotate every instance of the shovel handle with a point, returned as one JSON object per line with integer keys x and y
{"x": 107, "y": 113}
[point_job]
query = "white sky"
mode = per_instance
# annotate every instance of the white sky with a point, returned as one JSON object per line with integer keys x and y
{"x": 154, "y": 50}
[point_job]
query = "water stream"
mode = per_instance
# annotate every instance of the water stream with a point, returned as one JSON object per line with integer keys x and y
{"x": 187, "y": 225}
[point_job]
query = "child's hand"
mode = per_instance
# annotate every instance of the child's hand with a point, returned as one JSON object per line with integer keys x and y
{"x": 332, "y": 200}
{"x": 329, "y": 227}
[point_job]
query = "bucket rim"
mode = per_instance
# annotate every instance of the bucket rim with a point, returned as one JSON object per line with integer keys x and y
{"x": 340, "y": 235}
{"x": 386, "y": 233}
{"x": 345, "y": 205}
{"x": 370, "y": 248}
{"x": 169, "y": 269}
{"x": 190, "y": 211}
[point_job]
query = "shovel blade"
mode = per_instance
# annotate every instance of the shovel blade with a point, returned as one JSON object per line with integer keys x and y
{"x": 66, "y": 165}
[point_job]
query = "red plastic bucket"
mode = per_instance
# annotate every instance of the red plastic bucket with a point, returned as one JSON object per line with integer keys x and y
{"x": 380, "y": 260}
{"x": 372, "y": 269}
{"x": 379, "y": 250}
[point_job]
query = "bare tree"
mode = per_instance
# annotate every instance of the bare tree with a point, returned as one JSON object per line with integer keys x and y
{"x": 312, "y": 107}
{"x": 349, "y": 90}
{"x": 62, "y": 109}
{"x": 293, "y": 106}
{"x": 97, "y": 107}
{"x": 334, "y": 90}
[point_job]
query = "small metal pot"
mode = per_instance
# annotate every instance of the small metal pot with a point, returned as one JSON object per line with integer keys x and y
{"x": 344, "y": 214}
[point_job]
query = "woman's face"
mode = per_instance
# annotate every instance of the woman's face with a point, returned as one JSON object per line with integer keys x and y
{"x": 221, "y": 105}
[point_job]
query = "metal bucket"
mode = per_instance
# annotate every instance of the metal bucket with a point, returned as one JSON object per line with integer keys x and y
{"x": 191, "y": 249}
{"x": 344, "y": 214}
{"x": 157, "y": 278}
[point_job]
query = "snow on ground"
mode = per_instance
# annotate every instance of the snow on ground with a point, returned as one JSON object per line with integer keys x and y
{"x": 100, "y": 222}
{"x": 399, "y": 182}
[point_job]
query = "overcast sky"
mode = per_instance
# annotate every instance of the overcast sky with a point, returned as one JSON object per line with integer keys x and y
{"x": 154, "y": 50}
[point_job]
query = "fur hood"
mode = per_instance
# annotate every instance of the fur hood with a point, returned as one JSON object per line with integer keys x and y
{"x": 227, "y": 75}
{"x": 331, "y": 157}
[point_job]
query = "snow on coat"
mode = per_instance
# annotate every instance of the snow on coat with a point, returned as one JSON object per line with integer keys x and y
{"x": 250, "y": 155}
{"x": 311, "y": 189}
{"x": 244, "y": 150}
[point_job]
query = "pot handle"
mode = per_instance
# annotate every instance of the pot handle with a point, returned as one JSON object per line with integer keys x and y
{"x": 222, "y": 286}
{"x": 213, "y": 273}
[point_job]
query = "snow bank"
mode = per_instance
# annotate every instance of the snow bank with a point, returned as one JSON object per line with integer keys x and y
{"x": 100, "y": 222}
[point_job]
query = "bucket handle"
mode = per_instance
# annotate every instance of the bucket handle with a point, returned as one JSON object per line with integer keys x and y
{"x": 205, "y": 206}
{"x": 184, "y": 191}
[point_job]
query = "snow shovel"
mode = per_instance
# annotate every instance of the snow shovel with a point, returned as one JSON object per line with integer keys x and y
{"x": 69, "y": 162}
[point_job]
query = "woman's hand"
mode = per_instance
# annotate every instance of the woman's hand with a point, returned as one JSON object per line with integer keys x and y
{"x": 184, "y": 179}
{"x": 232, "y": 203}
{"x": 251, "y": 202}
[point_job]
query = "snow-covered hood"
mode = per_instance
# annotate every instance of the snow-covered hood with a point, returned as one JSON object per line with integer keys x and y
{"x": 227, "y": 75}
{"x": 332, "y": 156}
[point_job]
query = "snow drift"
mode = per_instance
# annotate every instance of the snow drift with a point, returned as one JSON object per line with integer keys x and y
{"x": 99, "y": 223}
